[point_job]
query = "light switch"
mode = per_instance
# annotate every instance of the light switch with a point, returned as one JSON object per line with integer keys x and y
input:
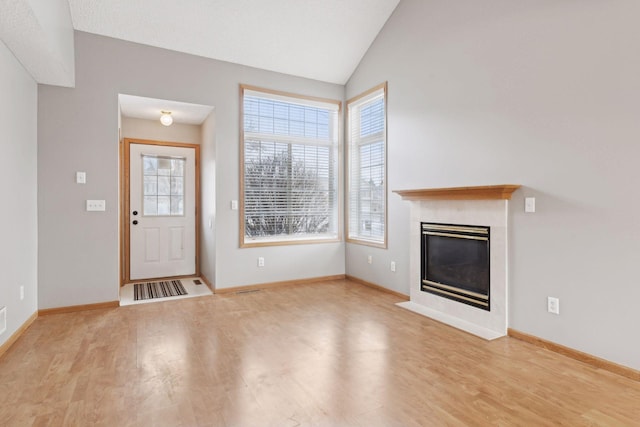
{"x": 81, "y": 177}
{"x": 530, "y": 204}
{"x": 234, "y": 205}
{"x": 96, "y": 205}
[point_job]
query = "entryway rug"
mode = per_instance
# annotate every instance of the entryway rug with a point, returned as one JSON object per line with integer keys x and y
{"x": 142, "y": 291}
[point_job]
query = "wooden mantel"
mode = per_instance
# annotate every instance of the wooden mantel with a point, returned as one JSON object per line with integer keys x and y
{"x": 485, "y": 192}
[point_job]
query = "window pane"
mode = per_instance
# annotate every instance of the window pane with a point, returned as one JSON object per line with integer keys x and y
{"x": 150, "y": 205}
{"x": 163, "y": 185}
{"x": 177, "y": 167}
{"x": 177, "y": 205}
{"x": 372, "y": 118}
{"x": 164, "y": 203}
{"x": 150, "y": 185}
{"x": 177, "y": 185}
{"x": 164, "y": 166}
{"x": 150, "y": 165}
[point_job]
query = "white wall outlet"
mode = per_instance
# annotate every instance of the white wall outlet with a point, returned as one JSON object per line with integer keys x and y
{"x": 392, "y": 267}
{"x": 21, "y": 293}
{"x": 96, "y": 205}
{"x": 260, "y": 261}
{"x": 530, "y": 204}
{"x": 3, "y": 319}
{"x": 553, "y": 305}
{"x": 234, "y": 205}
{"x": 369, "y": 259}
{"x": 81, "y": 177}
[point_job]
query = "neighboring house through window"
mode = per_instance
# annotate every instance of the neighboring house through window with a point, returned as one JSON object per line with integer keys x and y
{"x": 367, "y": 158}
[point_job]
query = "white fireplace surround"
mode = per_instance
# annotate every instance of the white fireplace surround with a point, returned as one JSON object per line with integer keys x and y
{"x": 484, "y": 206}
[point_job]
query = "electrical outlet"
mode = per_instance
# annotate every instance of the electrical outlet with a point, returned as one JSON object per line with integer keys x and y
{"x": 553, "y": 305}
{"x": 392, "y": 267}
{"x": 21, "y": 293}
{"x": 3, "y": 319}
{"x": 370, "y": 259}
{"x": 260, "y": 261}
{"x": 96, "y": 205}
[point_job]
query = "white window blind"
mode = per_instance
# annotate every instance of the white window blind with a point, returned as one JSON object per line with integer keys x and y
{"x": 290, "y": 168}
{"x": 367, "y": 167}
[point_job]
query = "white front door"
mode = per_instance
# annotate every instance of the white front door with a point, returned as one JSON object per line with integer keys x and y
{"x": 162, "y": 220}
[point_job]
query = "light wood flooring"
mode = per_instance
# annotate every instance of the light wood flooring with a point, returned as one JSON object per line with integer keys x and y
{"x": 327, "y": 354}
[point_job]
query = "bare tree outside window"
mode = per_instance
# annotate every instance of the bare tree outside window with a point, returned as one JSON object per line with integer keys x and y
{"x": 293, "y": 199}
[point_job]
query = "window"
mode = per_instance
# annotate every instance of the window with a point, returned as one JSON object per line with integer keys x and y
{"x": 367, "y": 139}
{"x": 289, "y": 168}
{"x": 163, "y": 185}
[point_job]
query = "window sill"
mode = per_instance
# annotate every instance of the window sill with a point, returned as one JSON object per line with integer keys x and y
{"x": 301, "y": 241}
{"x": 363, "y": 242}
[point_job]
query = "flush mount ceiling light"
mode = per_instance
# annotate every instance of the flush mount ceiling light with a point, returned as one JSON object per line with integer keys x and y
{"x": 166, "y": 118}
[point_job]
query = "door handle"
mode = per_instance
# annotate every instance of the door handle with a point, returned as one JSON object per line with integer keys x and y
{"x": 135, "y": 222}
{"x": 135, "y": 213}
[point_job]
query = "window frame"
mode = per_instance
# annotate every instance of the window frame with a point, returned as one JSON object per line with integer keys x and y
{"x": 284, "y": 240}
{"x": 353, "y": 236}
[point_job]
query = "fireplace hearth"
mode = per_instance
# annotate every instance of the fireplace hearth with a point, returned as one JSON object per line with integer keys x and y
{"x": 455, "y": 262}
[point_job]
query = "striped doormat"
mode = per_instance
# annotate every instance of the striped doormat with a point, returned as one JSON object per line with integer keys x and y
{"x": 142, "y": 291}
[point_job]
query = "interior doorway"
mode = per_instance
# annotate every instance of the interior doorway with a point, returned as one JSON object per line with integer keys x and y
{"x": 141, "y": 123}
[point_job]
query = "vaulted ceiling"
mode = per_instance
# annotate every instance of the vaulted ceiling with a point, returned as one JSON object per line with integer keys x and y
{"x": 318, "y": 39}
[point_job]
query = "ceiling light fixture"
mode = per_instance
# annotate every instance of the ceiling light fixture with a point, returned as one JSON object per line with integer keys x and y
{"x": 166, "y": 118}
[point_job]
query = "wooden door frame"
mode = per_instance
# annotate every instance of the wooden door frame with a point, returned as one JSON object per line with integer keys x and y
{"x": 125, "y": 203}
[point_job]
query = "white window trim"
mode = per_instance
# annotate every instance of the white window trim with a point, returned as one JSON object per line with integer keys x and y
{"x": 351, "y": 235}
{"x": 304, "y": 100}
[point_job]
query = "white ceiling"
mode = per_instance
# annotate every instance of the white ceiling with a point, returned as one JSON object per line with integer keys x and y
{"x": 318, "y": 39}
{"x": 40, "y": 35}
{"x": 149, "y": 108}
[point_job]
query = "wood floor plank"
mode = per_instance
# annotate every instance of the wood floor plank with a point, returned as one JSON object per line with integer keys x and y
{"x": 334, "y": 353}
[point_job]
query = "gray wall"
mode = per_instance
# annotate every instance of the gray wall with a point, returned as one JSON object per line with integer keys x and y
{"x": 18, "y": 173}
{"x": 78, "y": 130}
{"x": 539, "y": 93}
{"x": 154, "y": 130}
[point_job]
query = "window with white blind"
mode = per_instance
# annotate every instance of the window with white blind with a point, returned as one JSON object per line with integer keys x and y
{"x": 367, "y": 140}
{"x": 289, "y": 168}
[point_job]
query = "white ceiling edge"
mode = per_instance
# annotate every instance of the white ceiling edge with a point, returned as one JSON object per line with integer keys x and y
{"x": 40, "y": 35}
{"x": 321, "y": 40}
{"x": 139, "y": 107}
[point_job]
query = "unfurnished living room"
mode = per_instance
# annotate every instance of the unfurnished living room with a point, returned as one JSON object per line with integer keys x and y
{"x": 320, "y": 213}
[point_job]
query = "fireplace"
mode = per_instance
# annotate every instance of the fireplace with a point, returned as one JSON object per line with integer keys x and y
{"x": 487, "y": 205}
{"x": 455, "y": 262}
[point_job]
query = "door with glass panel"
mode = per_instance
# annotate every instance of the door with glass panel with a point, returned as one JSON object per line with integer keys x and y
{"x": 162, "y": 211}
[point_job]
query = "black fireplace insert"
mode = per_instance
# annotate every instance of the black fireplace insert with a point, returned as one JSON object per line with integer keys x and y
{"x": 455, "y": 262}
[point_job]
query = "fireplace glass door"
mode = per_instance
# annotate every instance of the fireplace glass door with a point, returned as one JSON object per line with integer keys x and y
{"x": 455, "y": 262}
